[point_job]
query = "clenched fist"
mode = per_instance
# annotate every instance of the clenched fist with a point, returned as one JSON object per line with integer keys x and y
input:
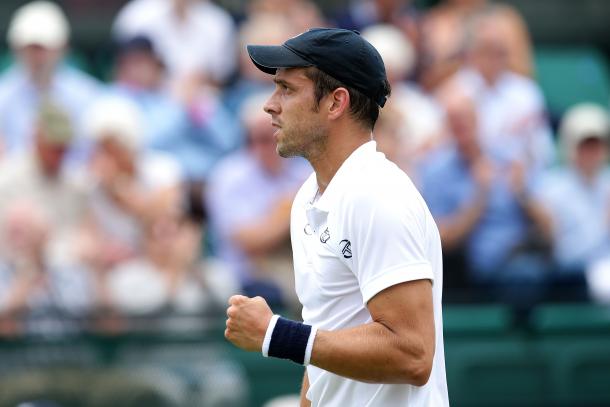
{"x": 247, "y": 322}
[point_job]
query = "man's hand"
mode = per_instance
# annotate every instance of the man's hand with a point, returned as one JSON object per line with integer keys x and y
{"x": 247, "y": 322}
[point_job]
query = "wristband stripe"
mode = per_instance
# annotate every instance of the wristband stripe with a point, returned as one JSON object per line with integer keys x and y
{"x": 268, "y": 334}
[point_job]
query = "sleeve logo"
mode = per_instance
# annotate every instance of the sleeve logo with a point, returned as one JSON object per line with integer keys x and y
{"x": 346, "y": 248}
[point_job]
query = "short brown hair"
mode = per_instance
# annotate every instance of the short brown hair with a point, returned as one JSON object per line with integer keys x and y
{"x": 362, "y": 108}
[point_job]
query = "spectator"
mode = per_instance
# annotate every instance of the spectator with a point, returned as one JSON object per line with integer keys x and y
{"x": 131, "y": 189}
{"x": 578, "y": 197}
{"x": 299, "y": 15}
{"x": 259, "y": 28}
{"x": 249, "y": 199}
{"x": 510, "y": 107}
{"x": 38, "y": 36}
{"x": 443, "y": 32}
{"x": 197, "y": 138}
{"x": 39, "y": 175}
{"x": 196, "y": 38}
{"x": 486, "y": 214}
{"x": 31, "y": 286}
{"x": 170, "y": 274}
{"x": 361, "y": 14}
{"x": 420, "y": 115}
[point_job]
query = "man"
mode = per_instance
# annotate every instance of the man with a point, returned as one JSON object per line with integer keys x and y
{"x": 510, "y": 106}
{"x": 481, "y": 198}
{"x": 366, "y": 250}
{"x": 581, "y": 224}
{"x": 41, "y": 208}
{"x": 38, "y": 35}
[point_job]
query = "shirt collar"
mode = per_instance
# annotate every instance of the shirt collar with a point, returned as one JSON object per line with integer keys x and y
{"x": 346, "y": 172}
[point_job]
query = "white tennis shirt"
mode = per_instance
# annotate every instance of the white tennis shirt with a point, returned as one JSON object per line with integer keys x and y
{"x": 370, "y": 230}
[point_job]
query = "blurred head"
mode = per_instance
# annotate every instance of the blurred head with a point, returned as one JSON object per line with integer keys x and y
{"x": 388, "y": 133}
{"x": 395, "y": 48}
{"x": 53, "y": 135}
{"x": 260, "y": 137}
{"x": 462, "y": 122}
{"x": 486, "y": 45}
{"x": 264, "y": 29}
{"x": 584, "y": 132}
{"x": 38, "y": 33}
{"x": 115, "y": 125}
{"x": 139, "y": 65}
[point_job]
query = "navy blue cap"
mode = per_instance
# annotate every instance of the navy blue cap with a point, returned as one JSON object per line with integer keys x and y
{"x": 342, "y": 54}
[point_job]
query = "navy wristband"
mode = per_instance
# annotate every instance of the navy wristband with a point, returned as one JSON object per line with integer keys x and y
{"x": 289, "y": 340}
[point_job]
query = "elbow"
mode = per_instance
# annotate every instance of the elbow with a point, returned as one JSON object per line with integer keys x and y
{"x": 416, "y": 367}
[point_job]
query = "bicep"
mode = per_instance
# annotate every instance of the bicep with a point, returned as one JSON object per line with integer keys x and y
{"x": 407, "y": 310}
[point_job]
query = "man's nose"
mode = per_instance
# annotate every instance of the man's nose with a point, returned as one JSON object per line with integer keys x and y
{"x": 271, "y": 106}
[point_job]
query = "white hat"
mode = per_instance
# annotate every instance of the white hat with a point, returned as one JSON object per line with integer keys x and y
{"x": 395, "y": 48}
{"x": 38, "y": 23}
{"x": 585, "y": 120}
{"x": 117, "y": 118}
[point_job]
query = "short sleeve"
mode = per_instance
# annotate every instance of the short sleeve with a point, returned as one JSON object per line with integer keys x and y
{"x": 388, "y": 241}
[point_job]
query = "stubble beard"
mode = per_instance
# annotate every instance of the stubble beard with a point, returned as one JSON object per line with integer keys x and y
{"x": 303, "y": 142}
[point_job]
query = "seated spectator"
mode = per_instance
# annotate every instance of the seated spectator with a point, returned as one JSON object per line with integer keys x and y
{"x": 39, "y": 175}
{"x": 510, "y": 107}
{"x": 259, "y": 28}
{"x": 169, "y": 274}
{"x": 360, "y": 14}
{"x": 131, "y": 188}
{"x": 298, "y": 15}
{"x": 36, "y": 295}
{"x": 196, "y": 38}
{"x": 197, "y": 137}
{"x": 420, "y": 116}
{"x": 578, "y": 197}
{"x": 38, "y": 36}
{"x": 486, "y": 215}
{"x": 444, "y": 28}
{"x": 249, "y": 199}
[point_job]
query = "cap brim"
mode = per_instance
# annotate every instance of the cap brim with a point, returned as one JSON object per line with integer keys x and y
{"x": 268, "y": 58}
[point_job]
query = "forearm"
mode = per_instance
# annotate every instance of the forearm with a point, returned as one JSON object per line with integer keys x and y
{"x": 373, "y": 353}
{"x": 304, "y": 389}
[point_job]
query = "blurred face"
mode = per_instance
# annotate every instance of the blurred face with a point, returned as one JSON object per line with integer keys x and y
{"x": 261, "y": 143}
{"x": 462, "y": 121}
{"x": 591, "y": 155}
{"x": 50, "y": 155}
{"x": 140, "y": 69}
{"x": 489, "y": 54}
{"x": 39, "y": 60}
{"x": 300, "y": 129}
{"x": 112, "y": 156}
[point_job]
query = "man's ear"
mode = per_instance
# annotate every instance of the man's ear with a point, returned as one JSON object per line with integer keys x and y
{"x": 338, "y": 103}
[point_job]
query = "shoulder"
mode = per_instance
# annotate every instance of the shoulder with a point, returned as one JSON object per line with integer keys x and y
{"x": 382, "y": 190}
{"x": 521, "y": 88}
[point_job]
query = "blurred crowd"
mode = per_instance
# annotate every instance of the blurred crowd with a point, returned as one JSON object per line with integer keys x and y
{"x": 159, "y": 191}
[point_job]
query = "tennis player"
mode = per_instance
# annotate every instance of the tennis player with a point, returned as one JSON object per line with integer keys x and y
{"x": 367, "y": 252}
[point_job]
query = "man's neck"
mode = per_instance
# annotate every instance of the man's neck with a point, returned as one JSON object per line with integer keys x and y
{"x": 339, "y": 147}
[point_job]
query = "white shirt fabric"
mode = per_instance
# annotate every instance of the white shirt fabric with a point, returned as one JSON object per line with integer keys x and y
{"x": 370, "y": 230}
{"x": 204, "y": 41}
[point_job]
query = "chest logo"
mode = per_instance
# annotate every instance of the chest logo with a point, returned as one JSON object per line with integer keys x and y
{"x": 308, "y": 230}
{"x": 346, "y": 248}
{"x": 325, "y": 236}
